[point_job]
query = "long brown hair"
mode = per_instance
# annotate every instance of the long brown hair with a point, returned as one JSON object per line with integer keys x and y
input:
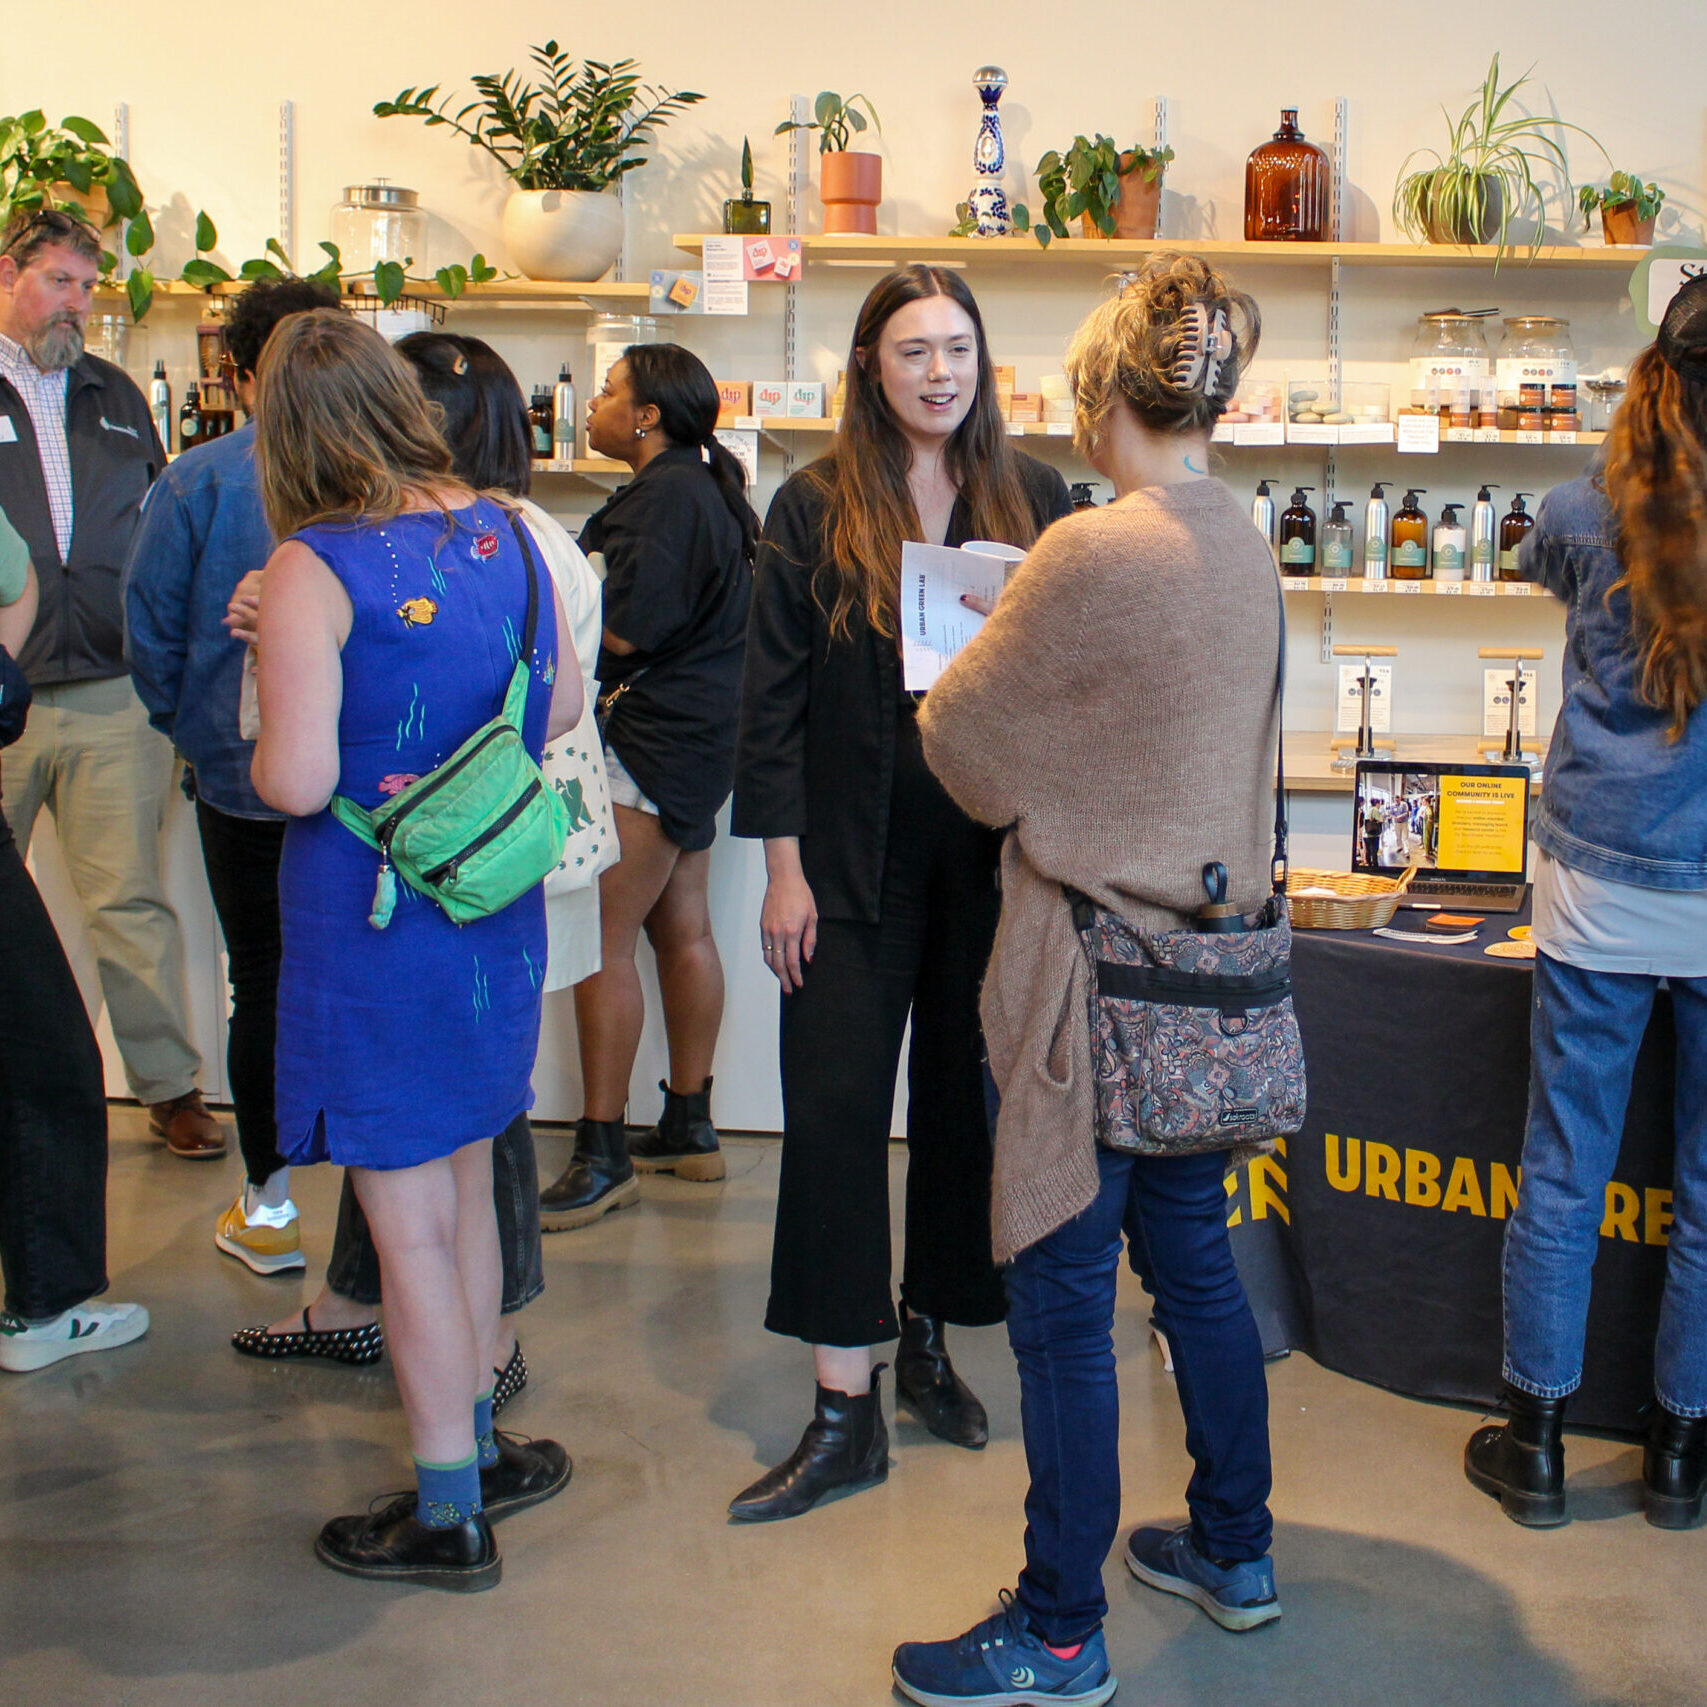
{"x": 342, "y": 427}
{"x": 1656, "y": 481}
{"x": 871, "y": 510}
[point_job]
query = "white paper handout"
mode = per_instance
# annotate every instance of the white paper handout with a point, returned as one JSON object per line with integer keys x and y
{"x": 935, "y": 625}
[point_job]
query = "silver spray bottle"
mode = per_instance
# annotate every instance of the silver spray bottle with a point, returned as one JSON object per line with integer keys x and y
{"x": 1482, "y": 526}
{"x": 1262, "y": 514}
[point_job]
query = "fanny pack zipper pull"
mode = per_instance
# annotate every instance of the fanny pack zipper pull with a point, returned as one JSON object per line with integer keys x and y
{"x": 384, "y": 893}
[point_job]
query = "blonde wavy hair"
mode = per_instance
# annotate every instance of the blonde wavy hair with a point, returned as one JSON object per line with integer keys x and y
{"x": 1136, "y": 349}
{"x": 342, "y": 427}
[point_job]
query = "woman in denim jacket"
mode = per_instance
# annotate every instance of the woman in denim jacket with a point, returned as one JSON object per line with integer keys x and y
{"x": 1620, "y": 903}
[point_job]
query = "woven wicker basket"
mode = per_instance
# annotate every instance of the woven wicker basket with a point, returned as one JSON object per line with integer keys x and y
{"x": 1359, "y": 902}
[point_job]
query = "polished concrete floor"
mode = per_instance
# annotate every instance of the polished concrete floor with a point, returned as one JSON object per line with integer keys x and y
{"x": 160, "y": 1502}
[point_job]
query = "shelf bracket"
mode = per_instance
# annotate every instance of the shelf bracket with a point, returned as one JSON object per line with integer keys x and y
{"x": 121, "y": 147}
{"x": 797, "y": 186}
{"x": 287, "y": 177}
{"x": 1159, "y": 140}
{"x": 1327, "y": 628}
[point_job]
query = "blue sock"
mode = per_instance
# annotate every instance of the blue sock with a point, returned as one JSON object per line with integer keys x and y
{"x": 485, "y": 1447}
{"x": 448, "y": 1494}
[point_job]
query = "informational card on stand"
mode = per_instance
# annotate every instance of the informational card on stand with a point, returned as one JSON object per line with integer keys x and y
{"x": 935, "y": 625}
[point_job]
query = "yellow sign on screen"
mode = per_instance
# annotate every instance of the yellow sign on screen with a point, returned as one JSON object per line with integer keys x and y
{"x": 1481, "y": 823}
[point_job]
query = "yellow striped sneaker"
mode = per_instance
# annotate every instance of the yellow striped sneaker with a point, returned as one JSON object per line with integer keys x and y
{"x": 267, "y": 1240}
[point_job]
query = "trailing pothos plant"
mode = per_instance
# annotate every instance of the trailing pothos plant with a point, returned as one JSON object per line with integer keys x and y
{"x": 1085, "y": 181}
{"x": 1623, "y": 189}
{"x": 576, "y": 130}
{"x": 36, "y": 158}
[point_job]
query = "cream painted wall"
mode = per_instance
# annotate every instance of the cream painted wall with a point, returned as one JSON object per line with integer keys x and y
{"x": 203, "y": 89}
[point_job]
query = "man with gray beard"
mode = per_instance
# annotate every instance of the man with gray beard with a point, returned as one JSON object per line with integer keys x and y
{"x": 78, "y": 452}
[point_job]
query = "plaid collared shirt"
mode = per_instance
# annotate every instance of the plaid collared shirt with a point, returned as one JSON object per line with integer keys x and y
{"x": 44, "y": 397}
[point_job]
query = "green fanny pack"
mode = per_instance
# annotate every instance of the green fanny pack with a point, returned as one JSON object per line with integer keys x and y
{"x": 480, "y": 830}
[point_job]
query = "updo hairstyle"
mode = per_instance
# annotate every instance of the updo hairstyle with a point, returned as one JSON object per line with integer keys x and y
{"x": 1170, "y": 345}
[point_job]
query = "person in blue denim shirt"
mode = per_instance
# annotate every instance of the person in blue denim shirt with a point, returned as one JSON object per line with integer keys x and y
{"x": 1620, "y": 905}
{"x": 202, "y": 530}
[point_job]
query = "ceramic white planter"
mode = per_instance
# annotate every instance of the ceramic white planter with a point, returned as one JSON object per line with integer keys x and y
{"x": 563, "y": 234}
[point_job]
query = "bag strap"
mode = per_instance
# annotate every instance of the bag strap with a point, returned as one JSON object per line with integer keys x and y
{"x": 524, "y": 664}
{"x": 1280, "y": 866}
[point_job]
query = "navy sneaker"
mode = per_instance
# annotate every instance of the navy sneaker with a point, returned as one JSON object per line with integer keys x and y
{"x": 1003, "y": 1663}
{"x": 1237, "y": 1596}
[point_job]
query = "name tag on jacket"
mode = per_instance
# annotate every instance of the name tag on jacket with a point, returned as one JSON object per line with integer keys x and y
{"x": 8, "y": 432}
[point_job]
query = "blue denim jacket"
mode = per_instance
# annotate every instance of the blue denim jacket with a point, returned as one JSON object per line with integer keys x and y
{"x": 202, "y": 530}
{"x": 1619, "y": 800}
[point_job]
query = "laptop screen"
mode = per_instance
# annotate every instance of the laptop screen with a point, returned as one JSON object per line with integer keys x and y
{"x": 1465, "y": 822}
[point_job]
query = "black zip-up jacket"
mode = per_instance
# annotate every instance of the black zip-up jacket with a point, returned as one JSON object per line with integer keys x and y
{"x": 115, "y": 457}
{"x": 816, "y": 753}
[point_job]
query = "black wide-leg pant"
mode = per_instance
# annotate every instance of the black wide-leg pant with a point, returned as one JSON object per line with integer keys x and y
{"x": 841, "y": 1044}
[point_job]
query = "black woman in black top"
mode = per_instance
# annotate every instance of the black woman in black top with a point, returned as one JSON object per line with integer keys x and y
{"x": 677, "y": 546}
{"x": 882, "y": 897}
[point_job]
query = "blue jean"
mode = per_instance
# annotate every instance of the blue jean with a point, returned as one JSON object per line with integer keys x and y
{"x": 1584, "y": 1035}
{"x": 1173, "y": 1211}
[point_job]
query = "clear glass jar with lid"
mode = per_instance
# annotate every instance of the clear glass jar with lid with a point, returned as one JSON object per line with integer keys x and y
{"x": 1536, "y": 368}
{"x": 608, "y": 335}
{"x": 1448, "y": 358}
{"x": 378, "y": 222}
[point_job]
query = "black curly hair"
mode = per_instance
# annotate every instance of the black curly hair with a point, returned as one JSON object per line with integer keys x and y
{"x": 261, "y": 307}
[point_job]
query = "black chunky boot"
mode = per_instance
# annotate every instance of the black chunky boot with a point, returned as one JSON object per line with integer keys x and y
{"x": 937, "y": 1396}
{"x": 1521, "y": 1463}
{"x": 845, "y": 1445}
{"x": 393, "y": 1545}
{"x": 684, "y": 1142}
{"x": 1674, "y": 1469}
{"x": 599, "y": 1178}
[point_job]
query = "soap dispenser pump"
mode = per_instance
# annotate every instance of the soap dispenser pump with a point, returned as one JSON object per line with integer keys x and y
{"x": 1375, "y": 521}
{"x": 1515, "y": 527}
{"x": 1449, "y": 545}
{"x": 1336, "y": 541}
{"x": 1483, "y": 527}
{"x": 1409, "y": 554}
{"x": 1298, "y": 535}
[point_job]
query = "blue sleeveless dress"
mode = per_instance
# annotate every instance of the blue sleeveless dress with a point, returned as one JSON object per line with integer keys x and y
{"x": 399, "y": 1046}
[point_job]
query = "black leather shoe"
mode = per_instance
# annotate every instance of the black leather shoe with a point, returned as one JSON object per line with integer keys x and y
{"x": 510, "y": 1380}
{"x": 1674, "y": 1469}
{"x": 845, "y": 1446}
{"x": 393, "y": 1545}
{"x": 926, "y": 1380}
{"x": 599, "y": 1178}
{"x": 1522, "y": 1463}
{"x": 684, "y": 1142}
{"x": 527, "y": 1473}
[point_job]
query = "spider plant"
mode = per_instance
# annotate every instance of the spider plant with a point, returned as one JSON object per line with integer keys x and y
{"x": 1487, "y": 175}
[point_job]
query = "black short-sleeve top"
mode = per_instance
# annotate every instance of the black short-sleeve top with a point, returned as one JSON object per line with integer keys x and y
{"x": 677, "y": 586}
{"x": 818, "y": 713}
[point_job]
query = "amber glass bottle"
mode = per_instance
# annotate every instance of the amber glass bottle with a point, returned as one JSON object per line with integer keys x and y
{"x": 1287, "y": 181}
{"x": 1515, "y": 527}
{"x": 1408, "y": 559}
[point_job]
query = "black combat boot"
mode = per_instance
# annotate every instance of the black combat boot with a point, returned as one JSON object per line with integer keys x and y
{"x": 599, "y": 1178}
{"x": 684, "y": 1142}
{"x": 1521, "y": 1463}
{"x": 845, "y": 1445}
{"x": 1674, "y": 1469}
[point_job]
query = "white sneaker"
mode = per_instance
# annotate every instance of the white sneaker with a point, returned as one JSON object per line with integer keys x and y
{"x": 84, "y": 1327}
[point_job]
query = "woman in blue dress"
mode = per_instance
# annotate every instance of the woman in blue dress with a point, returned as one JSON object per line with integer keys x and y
{"x": 391, "y": 620}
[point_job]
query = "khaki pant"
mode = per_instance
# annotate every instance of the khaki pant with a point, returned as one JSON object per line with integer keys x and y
{"x": 89, "y": 756}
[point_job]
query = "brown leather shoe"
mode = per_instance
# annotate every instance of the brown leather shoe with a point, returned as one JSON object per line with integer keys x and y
{"x": 189, "y": 1130}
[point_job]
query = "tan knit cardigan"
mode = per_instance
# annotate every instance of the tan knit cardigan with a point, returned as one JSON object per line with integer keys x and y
{"x": 1117, "y": 712}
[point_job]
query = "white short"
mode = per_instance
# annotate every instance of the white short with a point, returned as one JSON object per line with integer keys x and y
{"x": 624, "y": 790}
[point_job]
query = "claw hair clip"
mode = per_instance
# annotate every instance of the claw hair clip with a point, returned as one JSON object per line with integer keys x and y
{"x": 1205, "y": 346}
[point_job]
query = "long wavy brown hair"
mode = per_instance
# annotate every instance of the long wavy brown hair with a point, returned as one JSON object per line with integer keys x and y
{"x": 1656, "y": 480}
{"x": 864, "y": 477}
{"x": 342, "y": 427}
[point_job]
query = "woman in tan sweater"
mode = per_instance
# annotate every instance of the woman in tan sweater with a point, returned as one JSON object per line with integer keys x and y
{"x": 1117, "y": 713}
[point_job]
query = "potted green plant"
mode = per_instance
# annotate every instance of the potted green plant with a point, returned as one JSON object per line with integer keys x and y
{"x": 69, "y": 166}
{"x": 562, "y": 143}
{"x": 743, "y": 216}
{"x": 1112, "y": 192}
{"x": 1486, "y": 176}
{"x": 850, "y": 181}
{"x": 1628, "y": 208}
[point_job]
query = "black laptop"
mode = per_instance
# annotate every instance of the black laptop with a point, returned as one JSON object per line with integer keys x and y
{"x": 1466, "y": 827}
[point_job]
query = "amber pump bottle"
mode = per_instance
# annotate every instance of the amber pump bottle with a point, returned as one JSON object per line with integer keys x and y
{"x": 1408, "y": 559}
{"x": 1515, "y": 527}
{"x": 1298, "y": 535}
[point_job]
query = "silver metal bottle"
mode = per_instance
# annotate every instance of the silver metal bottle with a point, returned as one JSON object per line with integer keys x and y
{"x": 1375, "y": 520}
{"x": 1483, "y": 526}
{"x": 1262, "y": 514}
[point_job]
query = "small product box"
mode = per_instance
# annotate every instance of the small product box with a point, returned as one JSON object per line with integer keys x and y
{"x": 760, "y": 257}
{"x": 1026, "y": 409}
{"x": 770, "y": 398}
{"x": 684, "y": 293}
{"x": 734, "y": 399}
{"x": 787, "y": 263}
{"x": 806, "y": 399}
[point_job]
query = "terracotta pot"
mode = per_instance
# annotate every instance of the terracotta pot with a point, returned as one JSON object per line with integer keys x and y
{"x": 1135, "y": 208}
{"x": 563, "y": 234}
{"x": 1619, "y": 225}
{"x": 94, "y": 203}
{"x": 850, "y": 185}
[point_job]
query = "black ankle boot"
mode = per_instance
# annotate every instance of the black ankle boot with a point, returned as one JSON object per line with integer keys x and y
{"x": 1522, "y": 1462}
{"x": 1674, "y": 1469}
{"x": 845, "y": 1445}
{"x": 684, "y": 1142}
{"x": 599, "y": 1178}
{"x": 925, "y": 1378}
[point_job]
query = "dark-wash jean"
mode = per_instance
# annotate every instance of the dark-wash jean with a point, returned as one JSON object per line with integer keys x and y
{"x": 353, "y": 1269}
{"x": 1173, "y": 1212}
{"x": 53, "y": 1112}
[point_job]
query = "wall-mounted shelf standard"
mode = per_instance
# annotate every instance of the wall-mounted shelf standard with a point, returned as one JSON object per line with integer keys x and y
{"x": 577, "y": 298}
{"x": 1109, "y": 253}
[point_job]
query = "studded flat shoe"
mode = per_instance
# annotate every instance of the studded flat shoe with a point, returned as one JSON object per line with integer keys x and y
{"x": 357, "y": 1346}
{"x": 510, "y": 1380}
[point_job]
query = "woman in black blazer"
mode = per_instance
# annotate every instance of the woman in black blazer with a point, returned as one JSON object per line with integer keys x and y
{"x": 882, "y": 898}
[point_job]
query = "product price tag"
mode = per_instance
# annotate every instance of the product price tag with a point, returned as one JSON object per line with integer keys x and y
{"x": 1348, "y": 718}
{"x": 1310, "y": 433}
{"x": 1526, "y": 437}
{"x": 1335, "y": 584}
{"x": 1296, "y": 583}
{"x": 1058, "y": 429}
{"x": 1480, "y": 589}
{"x": 1412, "y": 587}
{"x": 1496, "y": 701}
{"x": 1367, "y": 433}
{"x": 1259, "y": 432}
{"x": 1223, "y": 433}
{"x": 1369, "y": 586}
{"x": 1561, "y": 438}
{"x": 1449, "y": 587}
{"x": 1516, "y": 589}
{"x": 1460, "y": 435}
{"x": 1016, "y": 430}
{"x": 1486, "y": 435}
{"x": 1419, "y": 435}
